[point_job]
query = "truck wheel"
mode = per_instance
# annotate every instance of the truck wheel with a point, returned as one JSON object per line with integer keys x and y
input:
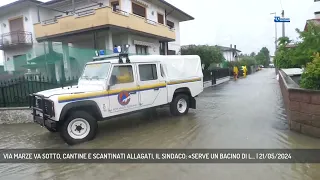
{"x": 79, "y": 127}
{"x": 179, "y": 105}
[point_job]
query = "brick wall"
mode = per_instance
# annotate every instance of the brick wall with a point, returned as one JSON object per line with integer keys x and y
{"x": 302, "y": 107}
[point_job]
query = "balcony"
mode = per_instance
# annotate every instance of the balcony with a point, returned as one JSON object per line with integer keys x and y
{"x": 15, "y": 39}
{"x": 101, "y": 18}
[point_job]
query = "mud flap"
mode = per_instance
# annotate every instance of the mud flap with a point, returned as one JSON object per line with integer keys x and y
{"x": 193, "y": 103}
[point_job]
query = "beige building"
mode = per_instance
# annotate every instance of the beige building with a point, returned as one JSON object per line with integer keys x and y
{"x": 70, "y": 30}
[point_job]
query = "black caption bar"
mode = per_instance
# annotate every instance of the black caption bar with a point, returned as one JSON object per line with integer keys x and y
{"x": 160, "y": 156}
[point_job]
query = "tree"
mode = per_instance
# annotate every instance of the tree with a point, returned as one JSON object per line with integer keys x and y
{"x": 310, "y": 78}
{"x": 284, "y": 55}
{"x": 263, "y": 57}
{"x": 247, "y": 61}
{"x": 260, "y": 58}
{"x": 283, "y": 41}
{"x": 310, "y": 44}
{"x": 266, "y": 53}
{"x": 208, "y": 54}
{"x": 253, "y": 54}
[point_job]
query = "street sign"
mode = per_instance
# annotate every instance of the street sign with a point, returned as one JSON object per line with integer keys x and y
{"x": 280, "y": 19}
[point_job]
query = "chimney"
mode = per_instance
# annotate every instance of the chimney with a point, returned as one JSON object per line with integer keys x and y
{"x": 230, "y": 45}
{"x": 235, "y": 46}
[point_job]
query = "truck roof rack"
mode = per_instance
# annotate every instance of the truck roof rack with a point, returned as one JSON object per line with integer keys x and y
{"x": 104, "y": 57}
{"x": 120, "y": 56}
{"x": 124, "y": 55}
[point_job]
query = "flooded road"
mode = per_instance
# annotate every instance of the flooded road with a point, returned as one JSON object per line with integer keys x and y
{"x": 247, "y": 113}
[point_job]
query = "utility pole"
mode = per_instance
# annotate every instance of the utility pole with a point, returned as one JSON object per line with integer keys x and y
{"x": 276, "y": 33}
{"x": 283, "y": 25}
{"x": 73, "y": 7}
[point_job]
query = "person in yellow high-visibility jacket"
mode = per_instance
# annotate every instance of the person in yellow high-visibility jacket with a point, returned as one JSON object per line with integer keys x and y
{"x": 244, "y": 68}
{"x": 235, "y": 72}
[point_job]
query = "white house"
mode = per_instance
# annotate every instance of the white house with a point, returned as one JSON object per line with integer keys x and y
{"x": 68, "y": 32}
{"x": 230, "y": 53}
{"x": 317, "y": 9}
{"x": 316, "y": 20}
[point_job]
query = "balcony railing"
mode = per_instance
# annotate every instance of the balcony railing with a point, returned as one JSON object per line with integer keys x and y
{"x": 15, "y": 38}
{"x": 94, "y": 18}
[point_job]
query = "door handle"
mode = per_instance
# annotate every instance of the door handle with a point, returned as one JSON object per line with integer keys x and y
{"x": 156, "y": 89}
{"x": 134, "y": 92}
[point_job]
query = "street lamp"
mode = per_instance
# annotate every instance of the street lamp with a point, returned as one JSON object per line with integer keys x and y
{"x": 276, "y": 38}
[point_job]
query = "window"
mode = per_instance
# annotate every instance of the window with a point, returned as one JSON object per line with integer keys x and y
{"x": 121, "y": 74}
{"x": 162, "y": 48}
{"x": 148, "y": 72}
{"x": 170, "y": 24}
{"x": 96, "y": 71}
{"x": 162, "y": 71}
{"x": 115, "y": 5}
{"x": 171, "y": 52}
{"x": 141, "y": 50}
{"x": 138, "y": 10}
{"x": 160, "y": 18}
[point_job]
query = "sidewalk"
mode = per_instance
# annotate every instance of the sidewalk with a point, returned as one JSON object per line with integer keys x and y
{"x": 207, "y": 84}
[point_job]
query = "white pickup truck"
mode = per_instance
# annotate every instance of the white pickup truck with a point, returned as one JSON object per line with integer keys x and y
{"x": 115, "y": 85}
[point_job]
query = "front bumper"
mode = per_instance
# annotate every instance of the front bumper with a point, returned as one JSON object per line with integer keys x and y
{"x": 42, "y": 111}
{"x": 49, "y": 123}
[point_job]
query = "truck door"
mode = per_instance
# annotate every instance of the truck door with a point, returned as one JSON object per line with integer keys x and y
{"x": 123, "y": 91}
{"x": 152, "y": 86}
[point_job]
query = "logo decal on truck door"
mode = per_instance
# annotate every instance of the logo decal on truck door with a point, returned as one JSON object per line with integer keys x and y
{"x": 123, "y": 98}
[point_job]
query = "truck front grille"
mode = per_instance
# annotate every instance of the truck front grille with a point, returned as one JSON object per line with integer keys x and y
{"x": 45, "y": 105}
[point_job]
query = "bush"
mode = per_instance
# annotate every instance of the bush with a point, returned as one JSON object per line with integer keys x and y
{"x": 247, "y": 61}
{"x": 208, "y": 54}
{"x": 310, "y": 78}
{"x": 284, "y": 56}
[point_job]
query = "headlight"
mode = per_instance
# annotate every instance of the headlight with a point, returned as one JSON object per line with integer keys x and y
{"x": 38, "y": 102}
{"x": 53, "y": 112}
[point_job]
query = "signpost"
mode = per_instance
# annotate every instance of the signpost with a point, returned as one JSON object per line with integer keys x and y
{"x": 283, "y": 20}
{"x": 280, "y": 19}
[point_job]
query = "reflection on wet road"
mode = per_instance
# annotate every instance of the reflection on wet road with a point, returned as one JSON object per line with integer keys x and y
{"x": 247, "y": 113}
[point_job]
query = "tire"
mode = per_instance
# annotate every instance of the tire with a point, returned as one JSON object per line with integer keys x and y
{"x": 179, "y": 105}
{"x": 79, "y": 119}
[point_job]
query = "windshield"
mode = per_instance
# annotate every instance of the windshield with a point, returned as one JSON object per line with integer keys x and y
{"x": 96, "y": 71}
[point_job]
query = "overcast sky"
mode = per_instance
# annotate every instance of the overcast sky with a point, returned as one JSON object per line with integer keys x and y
{"x": 245, "y": 23}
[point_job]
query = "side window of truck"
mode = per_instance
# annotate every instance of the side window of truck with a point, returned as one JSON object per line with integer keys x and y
{"x": 162, "y": 71}
{"x": 121, "y": 74}
{"x": 148, "y": 72}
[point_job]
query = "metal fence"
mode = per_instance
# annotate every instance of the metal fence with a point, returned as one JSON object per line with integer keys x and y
{"x": 15, "y": 38}
{"x": 215, "y": 74}
{"x": 15, "y": 92}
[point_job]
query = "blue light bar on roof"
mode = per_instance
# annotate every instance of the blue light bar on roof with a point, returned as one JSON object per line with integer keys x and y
{"x": 102, "y": 52}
